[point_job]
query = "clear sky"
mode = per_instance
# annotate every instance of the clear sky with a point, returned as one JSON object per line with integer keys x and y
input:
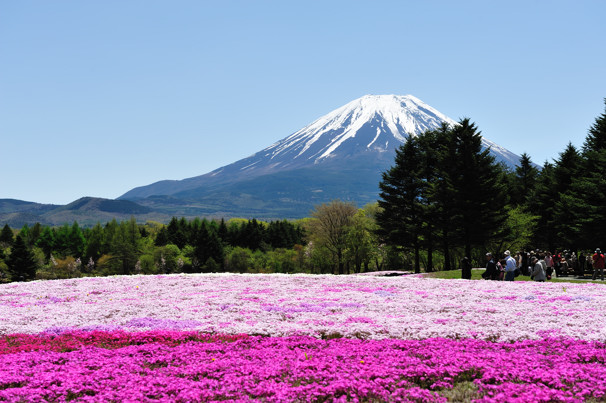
{"x": 98, "y": 97}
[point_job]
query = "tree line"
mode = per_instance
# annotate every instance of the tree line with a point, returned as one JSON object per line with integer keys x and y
{"x": 445, "y": 196}
{"x": 190, "y": 246}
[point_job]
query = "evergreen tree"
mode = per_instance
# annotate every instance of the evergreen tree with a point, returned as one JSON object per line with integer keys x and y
{"x": 177, "y": 233}
{"x": 95, "y": 240}
{"x": 481, "y": 194}
{"x": 583, "y": 205}
{"x": 542, "y": 204}
{"x": 46, "y": 241}
{"x": 125, "y": 245}
{"x": 25, "y": 234}
{"x": 207, "y": 247}
{"x": 35, "y": 233}
{"x": 401, "y": 215}
{"x": 223, "y": 233}
{"x": 7, "y": 238}
{"x": 526, "y": 175}
{"x": 596, "y": 138}
{"x": 442, "y": 191}
{"x": 21, "y": 262}
{"x": 566, "y": 218}
{"x": 161, "y": 237}
{"x": 76, "y": 241}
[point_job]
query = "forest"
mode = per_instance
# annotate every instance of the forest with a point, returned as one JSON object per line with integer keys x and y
{"x": 444, "y": 198}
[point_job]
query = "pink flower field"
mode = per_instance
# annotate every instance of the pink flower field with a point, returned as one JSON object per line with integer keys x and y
{"x": 213, "y": 337}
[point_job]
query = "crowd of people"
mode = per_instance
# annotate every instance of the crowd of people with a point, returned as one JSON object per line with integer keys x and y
{"x": 540, "y": 265}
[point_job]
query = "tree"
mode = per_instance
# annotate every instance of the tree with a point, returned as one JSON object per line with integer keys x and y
{"x": 328, "y": 228}
{"x": 7, "y": 238}
{"x": 542, "y": 204}
{"x": 21, "y": 262}
{"x": 402, "y": 214}
{"x": 567, "y": 221}
{"x": 95, "y": 239}
{"x": 76, "y": 241}
{"x": 481, "y": 193}
{"x": 125, "y": 245}
{"x": 360, "y": 240}
{"x": 207, "y": 246}
{"x": 46, "y": 241}
{"x": 583, "y": 204}
{"x": 525, "y": 180}
{"x": 445, "y": 188}
{"x": 596, "y": 138}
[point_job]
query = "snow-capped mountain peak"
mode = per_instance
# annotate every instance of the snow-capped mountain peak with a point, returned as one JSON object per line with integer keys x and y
{"x": 372, "y": 121}
{"x": 359, "y": 138}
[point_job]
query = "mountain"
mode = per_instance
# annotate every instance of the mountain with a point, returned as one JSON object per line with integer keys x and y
{"x": 340, "y": 155}
{"x": 371, "y": 128}
{"x": 86, "y": 210}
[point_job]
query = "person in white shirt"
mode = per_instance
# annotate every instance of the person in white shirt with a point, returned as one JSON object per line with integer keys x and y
{"x": 510, "y": 266}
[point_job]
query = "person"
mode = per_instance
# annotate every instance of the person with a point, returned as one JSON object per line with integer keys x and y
{"x": 589, "y": 262}
{"x": 491, "y": 268}
{"x": 500, "y": 269}
{"x": 510, "y": 266}
{"x": 537, "y": 274}
{"x": 564, "y": 268}
{"x": 598, "y": 264}
{"x": 466, "y": 268}
{"x": 549, "y": 264}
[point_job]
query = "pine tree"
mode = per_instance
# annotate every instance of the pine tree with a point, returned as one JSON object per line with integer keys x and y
{"x": 76, "y": 241}
{"x": 21, "y": 262}
{"x": 566, "y": 220}
{"x": 46, "y": 241}
{"x": 7, "y": 238}
{"x": 542, "y": 204}
{"x": 401, "y": 217}
{"x": 161, "y": 237}
{"x": 526, "y": 175}
{"x": 596, "y": 138}
{"x": 481, "y": 194}
{"x": 583, "y": 205}
{"x": 208, "y": 246}
{"x": 442, "y": 192}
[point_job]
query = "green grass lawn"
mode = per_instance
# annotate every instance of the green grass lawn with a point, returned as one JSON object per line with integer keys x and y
{"x": 477, "y": 275}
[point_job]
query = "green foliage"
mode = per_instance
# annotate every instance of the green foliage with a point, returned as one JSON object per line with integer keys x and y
{"x": 443, "y": 190}
{"x": 21, "y": 263}
{"x": 329, "y": 227}
{"x": 7, "y": 238}
{"x": 238, "y": 259}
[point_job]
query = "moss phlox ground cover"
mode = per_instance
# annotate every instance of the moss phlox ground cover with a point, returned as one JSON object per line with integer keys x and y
{"x": 300, "y": 338}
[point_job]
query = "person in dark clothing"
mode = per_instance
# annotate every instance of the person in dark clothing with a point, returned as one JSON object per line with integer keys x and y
{"x": 491, "y": 268}
{"x": 598, "y": 265}
{"x": 466, "y": 268}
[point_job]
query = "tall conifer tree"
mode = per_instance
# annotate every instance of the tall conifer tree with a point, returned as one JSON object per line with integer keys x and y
{"x": 401, "y": 216}
{"x": 21, "y": 262}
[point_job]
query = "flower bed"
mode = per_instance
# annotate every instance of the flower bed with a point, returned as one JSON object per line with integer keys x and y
{"x": 300, "y": 338}
{"x": 171, "y": 366}
{"x": 319, "y": 306}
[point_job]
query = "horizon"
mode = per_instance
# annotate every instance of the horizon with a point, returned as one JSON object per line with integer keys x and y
{"x": 166, "y": 92}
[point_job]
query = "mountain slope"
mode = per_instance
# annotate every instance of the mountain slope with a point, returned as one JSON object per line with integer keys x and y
{"x": 374, "y": 125}
{"x": 308, "y": 167}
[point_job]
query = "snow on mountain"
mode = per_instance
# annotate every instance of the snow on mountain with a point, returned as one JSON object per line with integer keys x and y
{"x": 370, "y": 124}
{"x": 364, "y": 131}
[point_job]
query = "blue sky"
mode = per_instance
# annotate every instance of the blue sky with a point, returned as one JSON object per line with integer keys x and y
{"x": 98, "y": 97}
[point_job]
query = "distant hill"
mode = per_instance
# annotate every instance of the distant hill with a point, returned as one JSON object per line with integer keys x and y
{"x": 86, "y": 210}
